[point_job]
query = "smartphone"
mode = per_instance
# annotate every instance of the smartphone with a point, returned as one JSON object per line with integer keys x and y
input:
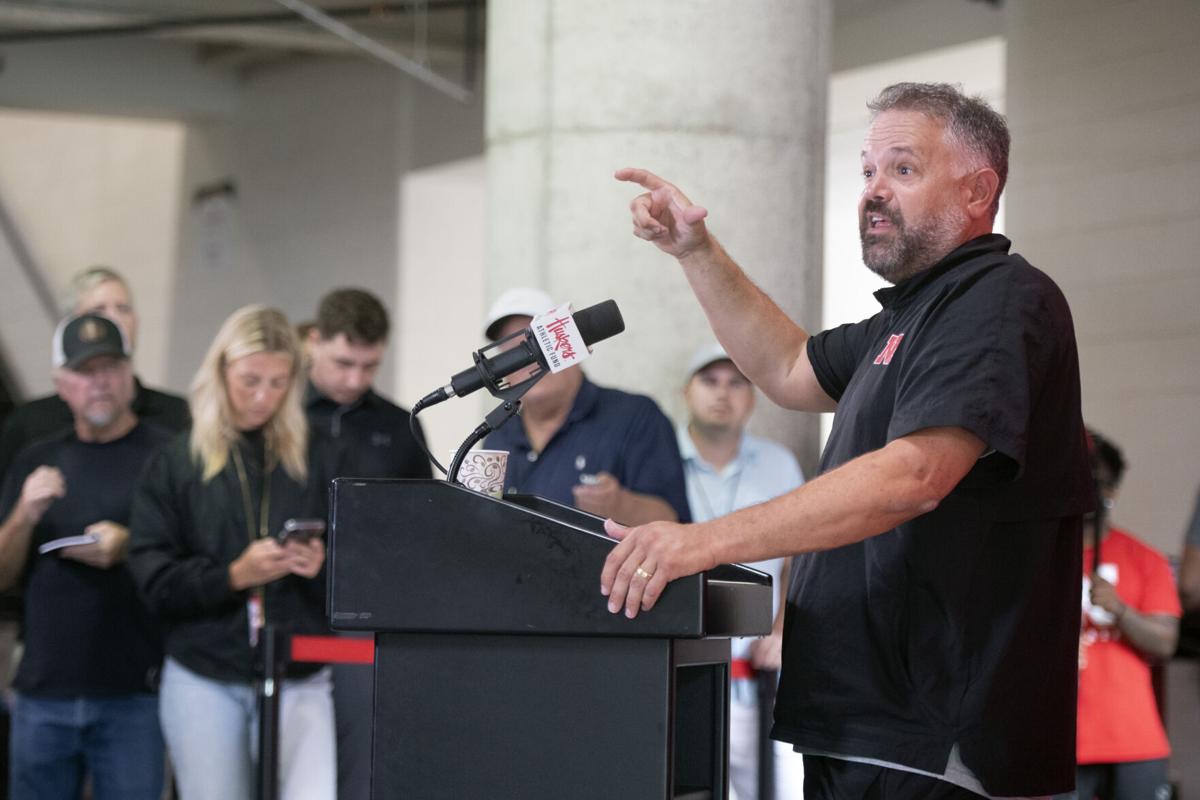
{"x": 301, "y": 530}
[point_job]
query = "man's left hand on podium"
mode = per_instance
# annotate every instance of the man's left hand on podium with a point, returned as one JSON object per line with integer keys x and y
{"x": 648, "y": 558}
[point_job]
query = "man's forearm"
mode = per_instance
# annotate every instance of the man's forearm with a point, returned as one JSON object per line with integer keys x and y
{"x": 1153, "y": 634}
{"x": 764, "y": 341}
{"x": 15, "y": 534}
{"x": 638, "y": 509}
{"x": 864, "y": 497}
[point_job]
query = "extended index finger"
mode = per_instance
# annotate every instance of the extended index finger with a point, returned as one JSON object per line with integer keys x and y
{"x": 643, "y": 177}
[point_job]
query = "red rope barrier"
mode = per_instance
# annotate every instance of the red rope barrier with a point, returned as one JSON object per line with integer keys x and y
{"x": 333, "y": 650}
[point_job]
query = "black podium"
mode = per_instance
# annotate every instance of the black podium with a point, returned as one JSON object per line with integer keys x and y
{"x": 500, "y": 673}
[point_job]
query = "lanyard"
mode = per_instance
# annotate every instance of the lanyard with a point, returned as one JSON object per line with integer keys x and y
{"x": 247, "y": 500}
{"x": 256, "y": 612}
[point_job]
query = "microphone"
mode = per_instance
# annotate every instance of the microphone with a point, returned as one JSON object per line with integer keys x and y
{"x": 544, "y": 343}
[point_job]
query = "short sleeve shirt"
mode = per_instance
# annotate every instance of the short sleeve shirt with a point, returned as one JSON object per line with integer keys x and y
{"x": 606, "y": 430}
{"x": 1118, "y": 715}
{"x": 959, "y": 626}
{"x": 761, "y": 470}
{"x": 86, "y": 631}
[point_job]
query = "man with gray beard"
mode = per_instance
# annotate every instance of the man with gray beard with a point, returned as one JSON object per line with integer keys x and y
{"x": 85, "y": 706}
{"x": 931, "y": 627}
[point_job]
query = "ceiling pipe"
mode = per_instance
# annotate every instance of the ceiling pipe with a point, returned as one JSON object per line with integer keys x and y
{"x": 153, "y": 26}
{"x": 377, "y": 50}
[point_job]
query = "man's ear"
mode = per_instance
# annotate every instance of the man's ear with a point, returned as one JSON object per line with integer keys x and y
{"x": 981, "y": 187}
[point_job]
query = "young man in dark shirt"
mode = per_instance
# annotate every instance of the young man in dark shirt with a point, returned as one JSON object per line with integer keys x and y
{"x": 931, "y": 630}
{"x": 85, "y": 691}
{"x": 345, "y": 348}
{"x": 96, "y": 290}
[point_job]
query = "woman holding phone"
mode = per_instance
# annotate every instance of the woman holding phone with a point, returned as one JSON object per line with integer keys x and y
{"x": 207, "y": 553}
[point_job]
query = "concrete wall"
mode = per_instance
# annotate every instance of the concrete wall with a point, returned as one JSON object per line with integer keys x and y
{"x": 870, "y": 32}
{"x": 315, "y": 200}
{"x": 315, "y": 151}
{"x": 1104, "y": 104}
{"x": 725, "y": 99}
{"x": 441, "y": 296}
{"x": 83, "y": 190}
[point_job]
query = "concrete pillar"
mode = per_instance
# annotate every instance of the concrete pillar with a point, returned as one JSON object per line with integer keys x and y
{"x": 1105, "y": 115}
{"x": 726, "y": 99}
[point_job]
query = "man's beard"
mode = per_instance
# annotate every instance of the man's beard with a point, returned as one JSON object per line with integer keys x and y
{"x": 911, "y": 249}
{"x": 101, "y": 415}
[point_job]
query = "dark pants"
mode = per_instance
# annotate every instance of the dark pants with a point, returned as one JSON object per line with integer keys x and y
{"x": 1130, "y": 780}
{"x": 115, "y": 740}
{"x": 835, "y": 779}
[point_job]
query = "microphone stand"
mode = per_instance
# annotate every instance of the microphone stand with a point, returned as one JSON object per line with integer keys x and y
{"x": 493, "y": 383}
{"x": 509, "y": 408}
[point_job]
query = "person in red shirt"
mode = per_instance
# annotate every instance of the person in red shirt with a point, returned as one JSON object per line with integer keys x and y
{"x": 1130, "y": 619}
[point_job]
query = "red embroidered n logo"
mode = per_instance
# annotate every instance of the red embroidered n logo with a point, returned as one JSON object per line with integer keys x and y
{"x": 889, "y": 349}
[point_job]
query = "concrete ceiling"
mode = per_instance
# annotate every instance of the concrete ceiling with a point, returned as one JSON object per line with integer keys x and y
{"x": 249, "y": 35}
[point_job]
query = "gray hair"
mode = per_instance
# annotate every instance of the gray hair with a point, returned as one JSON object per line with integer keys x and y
{"x": 974, "y": 125}
{"x": 86, "y": 280}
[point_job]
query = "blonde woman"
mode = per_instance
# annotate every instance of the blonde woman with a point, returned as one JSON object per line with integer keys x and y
{"x": 204, "y": 555}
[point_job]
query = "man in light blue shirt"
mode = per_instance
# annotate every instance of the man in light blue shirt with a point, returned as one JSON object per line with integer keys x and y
{"x": 728, "y": 469}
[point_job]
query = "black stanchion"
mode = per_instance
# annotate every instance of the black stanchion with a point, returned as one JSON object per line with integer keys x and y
{"x": 268, "y": 713}
{"x": 766, "y": 681}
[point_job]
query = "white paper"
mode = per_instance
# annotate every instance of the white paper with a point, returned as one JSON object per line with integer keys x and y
{"x": 67, "y": 541}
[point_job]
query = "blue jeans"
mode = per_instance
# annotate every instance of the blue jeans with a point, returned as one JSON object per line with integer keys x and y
{"x": 212, "y": 731}
{"x": 1128, "y": 780}
{"x": 115, "y": 740}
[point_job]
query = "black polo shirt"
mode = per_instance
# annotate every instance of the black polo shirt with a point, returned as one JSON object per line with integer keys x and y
{"x": 374, "y": 433}
{"x": 46, "y": 415}
{"x": 959, "y": 626}
{"x": 86, "y": 631}
{"x": 606, "y": 430}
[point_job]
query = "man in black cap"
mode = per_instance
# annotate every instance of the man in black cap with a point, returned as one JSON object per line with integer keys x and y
{"x": 95, "y": 290}
{"x": 85, "y": 701}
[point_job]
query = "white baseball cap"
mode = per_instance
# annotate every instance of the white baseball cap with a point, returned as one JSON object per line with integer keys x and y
{"x": 706, "y": 355}
{"x": 523, "y": 302}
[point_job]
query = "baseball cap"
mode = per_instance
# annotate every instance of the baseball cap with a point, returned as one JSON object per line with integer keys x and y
{"x": 77, "y": 339}
{"x": 706, "y": 355}
{"x": 523, "y": 302}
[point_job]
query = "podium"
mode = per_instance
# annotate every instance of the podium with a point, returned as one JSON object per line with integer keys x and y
{"x": 500, "y": 673}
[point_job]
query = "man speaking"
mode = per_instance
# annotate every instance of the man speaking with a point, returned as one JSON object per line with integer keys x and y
{"x": 932, "y": 621}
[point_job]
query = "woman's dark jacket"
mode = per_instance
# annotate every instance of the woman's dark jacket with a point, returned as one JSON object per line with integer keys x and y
{"x": 185, "y": 533}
